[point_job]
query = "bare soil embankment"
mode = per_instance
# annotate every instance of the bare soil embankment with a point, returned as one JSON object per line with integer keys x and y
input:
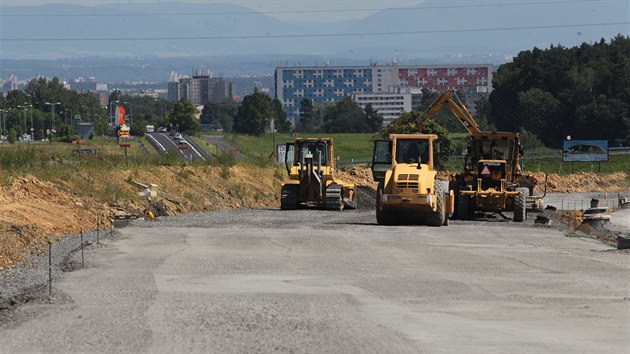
{"x": 34, "y": 211}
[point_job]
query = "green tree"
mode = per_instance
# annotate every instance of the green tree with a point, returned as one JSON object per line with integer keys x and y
{"x": 581, "y": 91}
{"x": 12, "y": 136}
{"x": 482, "y": 107}
{"x": 254, "y": 114}
{"x": 184, "y": 117}
{"x": 539, "y": 107}
{"x": 373, "y": 119}
{"x": 281, "y": 122}
{"x": 345, "y": 117}
{"x": 221, "y": 113}
{"x": 308, "y": 122}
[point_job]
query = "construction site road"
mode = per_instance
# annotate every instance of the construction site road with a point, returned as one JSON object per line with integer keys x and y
{"x": 333, "y": 282}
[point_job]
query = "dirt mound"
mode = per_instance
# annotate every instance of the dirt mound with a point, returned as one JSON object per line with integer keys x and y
{"x": 361, "y": 176}
{"x": 583, "y": 182}
{"x": 33, "y": 211}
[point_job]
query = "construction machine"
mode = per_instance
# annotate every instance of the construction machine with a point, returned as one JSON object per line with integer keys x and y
{"x": 493, "y": 178}
{"x": 310, "y": 163}
{"x": 408, "y": 191}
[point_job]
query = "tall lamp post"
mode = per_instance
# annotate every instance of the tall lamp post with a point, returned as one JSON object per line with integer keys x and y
{"x": 52, "y": 113}
{"x": 3, "y": 123}
{"x": 24, "y": 107}
{"x": 26, "y": 104}
{"x": 32, "y": 127}
{"x": 112, "y": 113}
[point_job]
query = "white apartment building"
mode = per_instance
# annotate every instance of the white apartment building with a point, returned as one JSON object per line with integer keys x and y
{"x": 389, "y": 105}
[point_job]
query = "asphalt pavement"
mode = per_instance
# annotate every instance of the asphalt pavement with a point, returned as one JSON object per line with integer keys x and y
{"x": 334, "y": 282}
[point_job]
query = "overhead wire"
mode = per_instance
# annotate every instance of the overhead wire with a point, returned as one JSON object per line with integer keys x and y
{"x": 313, "y": 35}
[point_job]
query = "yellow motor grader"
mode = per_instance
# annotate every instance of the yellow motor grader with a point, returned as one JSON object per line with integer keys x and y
{"x": 408, "y": 191}
{"x": 493, "y": 179}
{"x": 310, "y": 163}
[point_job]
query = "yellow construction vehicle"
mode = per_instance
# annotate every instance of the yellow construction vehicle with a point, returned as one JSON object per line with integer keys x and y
{"x": 408, "y": 191}
{"x": 310, "y": 163}
{"x": 493, "y": 178}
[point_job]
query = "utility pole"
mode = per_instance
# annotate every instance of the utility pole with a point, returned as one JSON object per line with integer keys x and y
{"x": 52, "y": 113}
{"x": 2, "y": 122}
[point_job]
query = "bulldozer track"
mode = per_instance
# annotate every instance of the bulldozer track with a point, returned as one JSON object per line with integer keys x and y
{"x": 333, "y": 197}
{"x": 288, "y": 199}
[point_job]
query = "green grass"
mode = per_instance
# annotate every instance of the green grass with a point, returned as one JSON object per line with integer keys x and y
{"x": 616, "y": 163}
{"x": 347, "y": 146}
{"x": 58, "y": 161}
{"x": 359, "y": 148}
{"x": 55, "y": 160}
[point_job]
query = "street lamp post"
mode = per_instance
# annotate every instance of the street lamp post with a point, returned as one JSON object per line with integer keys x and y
{"x": 2, "y": 123}
{"x": 24, "y": 107}
{"x": 32, "y": 128}
{"x": 52, "y": 113}
{"x": 26, "y": 104}
{"x": 112, "y": 113}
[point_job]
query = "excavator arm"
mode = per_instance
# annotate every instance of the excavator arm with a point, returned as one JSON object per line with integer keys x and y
{"x": 449, "y": 98}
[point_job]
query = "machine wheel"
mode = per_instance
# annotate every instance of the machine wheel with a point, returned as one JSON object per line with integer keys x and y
{"x": 437, "y": 218}
{"x": 333, "y": 197}
{"x": 520, "y": 213}
{"x": 288, "y": 197}
{"x": 382, "y": 217}
{"x": 463, "y": 208}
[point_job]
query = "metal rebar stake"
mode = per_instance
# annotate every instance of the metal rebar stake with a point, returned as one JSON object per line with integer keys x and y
{"x": 49, "y": 271}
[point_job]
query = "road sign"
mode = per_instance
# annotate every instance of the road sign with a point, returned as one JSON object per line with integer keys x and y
{"x": 125, "y": 145}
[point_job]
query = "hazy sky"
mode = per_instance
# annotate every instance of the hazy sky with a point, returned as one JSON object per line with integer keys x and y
{"x": 341, "y": 9}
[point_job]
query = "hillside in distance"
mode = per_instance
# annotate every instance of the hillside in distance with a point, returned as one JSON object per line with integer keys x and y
{"x": 430, "y": 29}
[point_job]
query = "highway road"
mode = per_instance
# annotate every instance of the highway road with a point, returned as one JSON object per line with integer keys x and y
{"x": 334, "y": 282}
{"x": 222, "y": 145}
{"x": 186, "y": 150}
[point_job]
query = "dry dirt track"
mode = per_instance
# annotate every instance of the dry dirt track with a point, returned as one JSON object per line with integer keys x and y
{"x": 318, "y": 282}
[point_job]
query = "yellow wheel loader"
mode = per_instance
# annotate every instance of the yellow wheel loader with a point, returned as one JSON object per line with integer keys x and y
{"x": 310, "y": 163}
{"x": 408, "y": 191}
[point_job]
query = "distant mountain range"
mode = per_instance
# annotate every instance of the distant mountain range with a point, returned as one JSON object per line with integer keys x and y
{"x": 432, "y": 31}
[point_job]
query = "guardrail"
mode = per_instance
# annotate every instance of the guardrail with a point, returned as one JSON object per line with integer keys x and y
{"x": 197, "y": 147}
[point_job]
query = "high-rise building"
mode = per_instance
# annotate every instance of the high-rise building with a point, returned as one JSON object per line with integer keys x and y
{"x": 332, "y": 83}
{"x": 200, "y": 89}
{"x": 10, "y": 84}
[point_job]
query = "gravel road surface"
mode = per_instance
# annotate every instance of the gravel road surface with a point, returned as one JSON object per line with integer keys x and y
{"x": 333, "y": 282}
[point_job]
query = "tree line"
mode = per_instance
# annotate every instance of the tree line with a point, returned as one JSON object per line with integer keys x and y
{"x": 582, "y": 92}
{"x": 255, "y": 114}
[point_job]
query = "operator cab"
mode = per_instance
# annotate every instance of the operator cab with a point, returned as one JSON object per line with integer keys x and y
{"x": 402, "y": 149}
{"x": 316, "y": 150}
{"x": 412, "y": 151}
